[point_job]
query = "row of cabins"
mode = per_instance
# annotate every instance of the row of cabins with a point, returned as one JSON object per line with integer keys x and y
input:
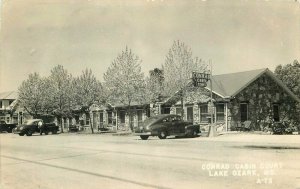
{"x": 256, "y": 96}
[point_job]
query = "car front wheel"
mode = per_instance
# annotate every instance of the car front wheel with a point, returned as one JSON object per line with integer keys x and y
{"x": 144, "y": 137}
{"x": 162, "y": 135}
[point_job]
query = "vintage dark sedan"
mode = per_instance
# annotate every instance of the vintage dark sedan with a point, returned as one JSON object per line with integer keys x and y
{"x": 166, "y": 125}
{"x": 7, "y": 127}
{"x": 32, "y": 126}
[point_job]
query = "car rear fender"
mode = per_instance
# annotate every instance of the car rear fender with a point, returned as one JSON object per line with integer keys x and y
{"x": 193, "y": 127}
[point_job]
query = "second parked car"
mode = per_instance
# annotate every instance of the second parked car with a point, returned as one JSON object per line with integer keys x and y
{"x": 35, "y": 126}
{"x": 7, "y": 127}
{"x": 166, "y": 125}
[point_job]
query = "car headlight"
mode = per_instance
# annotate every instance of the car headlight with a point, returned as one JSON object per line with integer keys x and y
{"x": 21, "y": 128}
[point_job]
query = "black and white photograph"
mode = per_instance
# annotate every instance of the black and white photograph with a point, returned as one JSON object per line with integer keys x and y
{"x": 161, "y": 94}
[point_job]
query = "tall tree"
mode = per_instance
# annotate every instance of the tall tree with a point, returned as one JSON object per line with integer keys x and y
{"x": 289, "y": 74}
{"x": 178, "y": 68}
{"x": 88, "y": 90}
{"x": 60, "y": 94}
{"x": 124, "y": 80}
{"x": 32, "y": 95}
{"x": 154, "y": 85}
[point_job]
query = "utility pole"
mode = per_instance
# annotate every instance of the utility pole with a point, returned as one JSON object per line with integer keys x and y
{"x": 211, "y": 131}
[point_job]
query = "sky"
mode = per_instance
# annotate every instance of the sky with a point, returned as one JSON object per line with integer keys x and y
{"x": 237, "y": 35}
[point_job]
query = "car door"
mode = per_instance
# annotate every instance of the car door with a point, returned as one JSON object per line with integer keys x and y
{"x": 180, "y": 125}
{"x": 175, "y": 120}
{"x": 166, "y": 123}
{"x": 34, "y": 127}
{"x": 172, "y": 126}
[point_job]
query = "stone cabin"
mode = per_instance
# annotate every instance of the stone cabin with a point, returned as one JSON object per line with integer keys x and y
{"x": 256, "y": 96}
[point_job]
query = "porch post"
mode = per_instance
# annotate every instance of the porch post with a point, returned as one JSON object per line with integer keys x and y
{"x": 117, "y": 119}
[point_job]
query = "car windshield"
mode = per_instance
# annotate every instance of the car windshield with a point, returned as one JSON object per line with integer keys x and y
{"x": 150, "y": 120}
{"x": 29, "y": 122}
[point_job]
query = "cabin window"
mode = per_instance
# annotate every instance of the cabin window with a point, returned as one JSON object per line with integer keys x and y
{"x": 203, "y": 113}
{"x": 276, "y": 112}
{"x": 101, "y": 120}
{"x": 244, "y": 112}
{"x": 122, "y": 116}
{"x": 190, "y": 114}
{"x": 178, "y": 111}
{"x": 165, "y": 110}
{"x": 220, "y": 112}
{"x": 109, "y": 117}
{"x": 87, "y": 120}
{"x": 148, "y": 112}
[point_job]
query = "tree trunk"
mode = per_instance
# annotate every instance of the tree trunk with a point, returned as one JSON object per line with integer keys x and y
{"x": 130, "y": 115}
{"x": 181, "y": 104}
{"x": 92, "y": 128}
{"x": 61, "y": 125}
{"x": 91, "y": 124}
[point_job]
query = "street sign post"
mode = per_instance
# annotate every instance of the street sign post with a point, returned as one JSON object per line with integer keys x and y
{"x": 200, "y": 80}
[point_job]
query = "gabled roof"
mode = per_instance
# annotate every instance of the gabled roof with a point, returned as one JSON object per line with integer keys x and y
{"x": 10, "y": 95}
{"x": 120, "y": 105}
{"x": 229, "y": 85}
{"x": 199, "y": 95}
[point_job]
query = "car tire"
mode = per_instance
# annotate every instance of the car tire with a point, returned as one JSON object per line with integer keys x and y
{"x": 144, "y": 137}
{"x": 192, "y": 133}
{"x": 21, "y": 134}
{"x": 46, "y": 133}
{"x": 29, "y": 133}
{"x": 54, "y": 132}
{"x": 162, "y": 135}
{"x": 195, "y": 133}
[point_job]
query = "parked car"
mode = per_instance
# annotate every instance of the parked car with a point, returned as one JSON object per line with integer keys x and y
{"x": 34, "y": 126}
{"x": 166, "y": 125}
{"x": 7, "y": 127}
